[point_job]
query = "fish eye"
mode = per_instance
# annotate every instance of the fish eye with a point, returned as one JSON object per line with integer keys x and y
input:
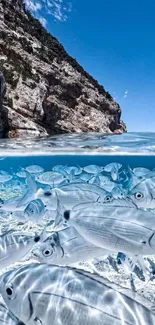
{"x": 48, "y": 193}
{"x": 31, "y": 211}
{"x": 9, "y": 290}
{"x": 107, "y": 199}
{"x": 139, "y": 195}
{"x": 47, "y": 252}
{"x": 36, "y": 239}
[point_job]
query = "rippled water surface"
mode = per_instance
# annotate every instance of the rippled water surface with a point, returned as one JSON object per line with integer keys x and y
{"x": 127, "y": 142}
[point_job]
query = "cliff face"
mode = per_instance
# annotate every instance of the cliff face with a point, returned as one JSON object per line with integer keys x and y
{"x": 47, "y": 90}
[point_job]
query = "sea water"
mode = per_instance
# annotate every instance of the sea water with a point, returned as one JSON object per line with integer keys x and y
{"x": 122, "y": 165}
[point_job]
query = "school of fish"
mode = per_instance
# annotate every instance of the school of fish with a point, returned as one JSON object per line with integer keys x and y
{"x": 69, "y": 214}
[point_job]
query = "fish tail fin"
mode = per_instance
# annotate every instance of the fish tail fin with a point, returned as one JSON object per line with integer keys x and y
{"x": 130, "y": 171}
{"x": 60, "y": 213}
{"x": 81, "y": 169}
{"x": 31, "y": 192}
{"x": 22, "y": 169}
{"x": 71, "y": 176}
{"x": 141, "y": 263}
{"x": 30, "y": 182}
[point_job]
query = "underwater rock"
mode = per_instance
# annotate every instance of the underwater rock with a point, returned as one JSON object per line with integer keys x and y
{"x": 48, "y": 92}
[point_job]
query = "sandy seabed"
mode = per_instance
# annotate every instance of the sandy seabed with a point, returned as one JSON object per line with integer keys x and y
{"x": 117, "y": 274}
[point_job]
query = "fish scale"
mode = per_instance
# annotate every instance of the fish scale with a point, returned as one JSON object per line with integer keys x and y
{"x": 109, "y": 240}
{"x": 51, "y": 178}
{"x": 70, "y": 297}
{"x": 118, "y": 226}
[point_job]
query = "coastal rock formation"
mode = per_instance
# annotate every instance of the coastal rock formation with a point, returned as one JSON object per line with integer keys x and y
{"x": 48, "y": 92}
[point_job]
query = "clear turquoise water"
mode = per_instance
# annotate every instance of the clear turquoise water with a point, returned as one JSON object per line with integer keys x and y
{"x": 90, "y": 156}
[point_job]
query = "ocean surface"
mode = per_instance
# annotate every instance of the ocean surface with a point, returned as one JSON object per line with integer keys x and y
{"x": 108, "y": 177}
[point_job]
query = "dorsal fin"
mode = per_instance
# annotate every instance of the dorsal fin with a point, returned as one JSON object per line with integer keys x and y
{"x": 127, "y": 202}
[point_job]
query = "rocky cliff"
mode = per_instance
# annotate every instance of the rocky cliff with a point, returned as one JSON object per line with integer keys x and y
{"x": 47, "y": 90}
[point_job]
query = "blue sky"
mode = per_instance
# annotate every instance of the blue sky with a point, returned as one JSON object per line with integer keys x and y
{"x": 115, "y": 42}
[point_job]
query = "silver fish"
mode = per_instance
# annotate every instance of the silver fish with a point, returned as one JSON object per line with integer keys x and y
{"x": 138, "y": 176}
{"x": 59, "y": 168}
{"x": 143, "y": 194}
{"x": 117, "y": 226}
{"x": 76, "y": 169}
{"x": 113, "y": 168}
{"x": 132, "y": 179}
{"x": 93, "y": 169}
{"x": 46, "y": 294}
{"x": 72, "y": 194}
{"x": 4, "y": 176}
{"x": 50, "y": 177}
{"x": 83, "y": 192}
{"x": 34, "y": 211}
{"x": 21, "y": 174}
{"x": 140, "y": 171}
{"x": 7, "y": 317}
{"x": 34, "y": 169}
{"x": 15, "y": 245}
{"x": 65, "y": 248}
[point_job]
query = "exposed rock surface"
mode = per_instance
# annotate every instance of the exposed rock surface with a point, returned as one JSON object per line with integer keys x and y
{"x": 47, "y": 90}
